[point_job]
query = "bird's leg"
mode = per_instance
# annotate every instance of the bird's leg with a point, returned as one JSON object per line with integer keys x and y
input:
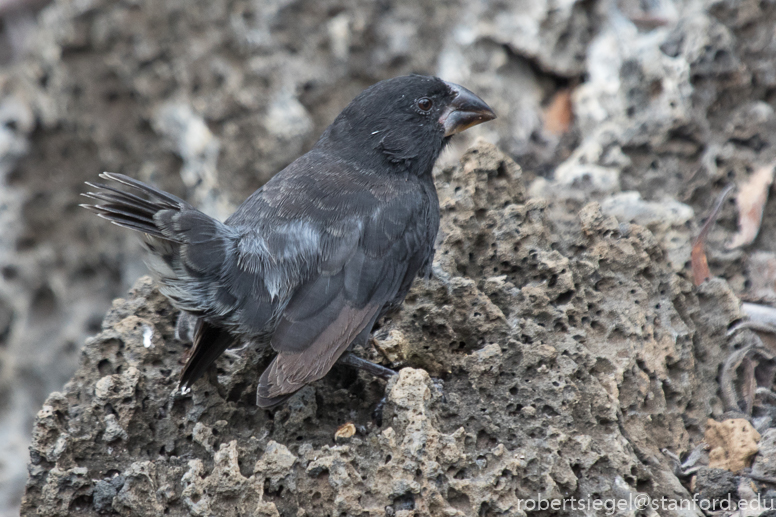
{"x": 368, "y": 366}
{"x": 376, "y": 370}
{"x": 185, "y": 327}
{"x": 377, "y": 413}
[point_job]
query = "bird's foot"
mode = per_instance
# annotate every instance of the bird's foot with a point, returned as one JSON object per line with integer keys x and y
{"x": 376, "y": 370}
{"x": 377, "y": 413}
{"x": 368, "y": 366}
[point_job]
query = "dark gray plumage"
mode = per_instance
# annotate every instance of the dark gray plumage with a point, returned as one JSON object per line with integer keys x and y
{"x": 313, "y": 258}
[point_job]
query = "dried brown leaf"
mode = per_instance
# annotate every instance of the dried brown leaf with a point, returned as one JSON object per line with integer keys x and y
{"x": 559, "y": 114}
{"x": 699, "y": 264}
{"x": 646, "y": 21}
{"x": 750, "y": 201}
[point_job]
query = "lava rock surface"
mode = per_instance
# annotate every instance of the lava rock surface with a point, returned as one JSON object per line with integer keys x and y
{"x": 537, "y": 361}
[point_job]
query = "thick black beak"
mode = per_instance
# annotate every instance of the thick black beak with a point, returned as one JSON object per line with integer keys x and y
{"x": 465, "y": 111}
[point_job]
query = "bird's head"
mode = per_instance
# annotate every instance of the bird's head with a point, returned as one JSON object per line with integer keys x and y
{"x": 404, "y": 121}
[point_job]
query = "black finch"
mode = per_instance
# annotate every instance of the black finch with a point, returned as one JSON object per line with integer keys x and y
{"x": 312, "y": 259}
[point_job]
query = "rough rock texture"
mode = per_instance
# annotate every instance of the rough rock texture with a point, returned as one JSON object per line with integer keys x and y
{"x": 732, "y": 444}
{"x": 207, "y": 99}
{"x": 715, "y": 484}
{"x": 537, "y": 361}
{"x": 671, "y": 101}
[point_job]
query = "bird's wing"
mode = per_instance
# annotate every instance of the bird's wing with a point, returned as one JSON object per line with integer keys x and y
{"x": 343, "y": 300}
{"x": 238, "y": 279}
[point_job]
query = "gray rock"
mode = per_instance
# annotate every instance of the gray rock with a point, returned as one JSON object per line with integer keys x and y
{"x": 105, "y": 491}
{"x": 571, "y": 383}
{"x": 670, "y": 99}
{"x": 714, "y": 485}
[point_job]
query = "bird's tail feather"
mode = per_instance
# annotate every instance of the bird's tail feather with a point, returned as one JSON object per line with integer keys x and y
{"x": 129, "y": 210}
{"x": 209, "y": 343}
{"x": 187, "y": 248}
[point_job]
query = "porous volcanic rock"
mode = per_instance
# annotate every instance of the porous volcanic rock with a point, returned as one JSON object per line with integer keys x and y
{"x": 540, "y": 361}
{"x": 208, "y": 99}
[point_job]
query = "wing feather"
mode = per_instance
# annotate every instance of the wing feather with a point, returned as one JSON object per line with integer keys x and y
{"x": 328, "y": 312}
{"x": 291, "y": 371}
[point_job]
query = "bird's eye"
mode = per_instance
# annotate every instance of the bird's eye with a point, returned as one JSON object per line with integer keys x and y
{"x": 425, "y": 104}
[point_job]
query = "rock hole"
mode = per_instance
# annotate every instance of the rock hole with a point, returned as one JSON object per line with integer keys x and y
{"x": 235, "y": 393}
{"x": 404, "y": 502}
{"x": 9, "y": 272}
{"x": 268, "y": 491}
{"x": 105, "y": 367}
{"x": 44, "y": 302}
{"x": 565, "y": 297}
{"x": 459, "y": 501}
{"x": 81, "y": 503}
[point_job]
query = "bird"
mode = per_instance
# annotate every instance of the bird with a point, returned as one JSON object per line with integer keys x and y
{"x": 312, "y": 259}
